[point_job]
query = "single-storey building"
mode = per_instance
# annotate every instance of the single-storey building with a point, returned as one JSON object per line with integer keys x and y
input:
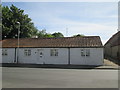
{"x": 87, "y": 50}
{"x": 112, "y": 47}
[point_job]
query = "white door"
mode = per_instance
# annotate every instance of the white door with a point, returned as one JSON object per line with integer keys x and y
{"x": 41, "y": 56}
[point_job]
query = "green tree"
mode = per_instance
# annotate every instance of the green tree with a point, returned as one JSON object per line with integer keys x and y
{"x": 10, "y": 16}
{"x": 58, "y": 34}
{"x": 41, "y": 33}
{"x": 0, "y": 21}
{"x": 78, "y": 35}
{"x": 48, "y": 35}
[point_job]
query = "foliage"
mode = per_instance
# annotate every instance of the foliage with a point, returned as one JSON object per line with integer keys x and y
{"x": 10, "y": 16}
{"x": 79, "y": 35}
{"x": 0, "y": 15}
{"x": 43, "y": 33}
{"x": 58, "y": 34}
{"x": 48, "y": 35}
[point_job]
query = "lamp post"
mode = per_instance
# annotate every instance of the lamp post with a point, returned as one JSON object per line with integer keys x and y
{"x": 17, "y": 58}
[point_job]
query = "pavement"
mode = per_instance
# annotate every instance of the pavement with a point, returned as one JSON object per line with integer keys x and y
{"x": 14, "y": 77}
{"x": 107, "y": 65}
{"x": 61, "y": 66}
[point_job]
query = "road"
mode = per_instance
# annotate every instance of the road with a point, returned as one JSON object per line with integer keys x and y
{"x": 59, "y": 78}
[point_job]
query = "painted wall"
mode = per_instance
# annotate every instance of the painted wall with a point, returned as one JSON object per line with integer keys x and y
{"x": 35, "y": 58}
{"x": 95, "y": 58}
{"x": 32, "y": 59}
{"x": 10, "y": 56}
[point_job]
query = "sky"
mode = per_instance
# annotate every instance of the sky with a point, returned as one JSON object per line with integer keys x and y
{"x": 70, "y": 18}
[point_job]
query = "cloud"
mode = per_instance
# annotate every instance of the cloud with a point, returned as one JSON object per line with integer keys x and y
{"x": 84, "y": 18}
{"x": 60, "y": 0}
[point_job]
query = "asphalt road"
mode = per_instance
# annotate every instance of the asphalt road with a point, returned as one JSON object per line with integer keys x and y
{"x": 59, "y": 78}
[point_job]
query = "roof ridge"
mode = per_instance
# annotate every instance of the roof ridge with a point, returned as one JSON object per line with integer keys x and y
{"x": 87, "y": 41}
{"x": 112, "y": 37}
{"x": 52, "y": 37}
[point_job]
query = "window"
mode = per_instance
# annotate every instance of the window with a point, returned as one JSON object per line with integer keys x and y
{"x": 41, "y": 54}
{"x": 54, "y": 52}
{"x": 27, "y": 52}
{"x": 82, "y": 52}
{"x": 4, "y": 52}
{"x": 85, "y": 52}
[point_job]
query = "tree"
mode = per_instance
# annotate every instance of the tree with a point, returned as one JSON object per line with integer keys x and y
{"x": 48, "y": 35}
{"x": 78, "y": 35}
{"x": 58, "y": 34}
{"x": 0, "y": 22}
{"x": 10, "y": 16}
{"x": 41, "y": 33}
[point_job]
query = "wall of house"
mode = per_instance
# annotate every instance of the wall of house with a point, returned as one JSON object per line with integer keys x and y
{"x": 35, "y": 58}
{"x": 111, "y": 48}
{"x": 32, "y": 59}
{"x": 62, "y": 57}
{"x": 115, "y": 52}
{"x": 95, "y": 58}
{"x": 10, "y": 57}
{"x": 107, "y": 50}
{"x": 112, "y": 52}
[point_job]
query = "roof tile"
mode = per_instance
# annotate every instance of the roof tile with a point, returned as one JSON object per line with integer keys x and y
{"x": 86, "y": 41}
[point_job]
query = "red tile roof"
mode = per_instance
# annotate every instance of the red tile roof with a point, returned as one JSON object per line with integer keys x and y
{"x": 87, "y": 41}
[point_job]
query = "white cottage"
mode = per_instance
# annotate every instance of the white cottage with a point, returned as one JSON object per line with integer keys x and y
{"x": 86, "y": 50}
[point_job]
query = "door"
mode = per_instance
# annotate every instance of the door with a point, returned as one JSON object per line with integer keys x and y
{"x": 41, "y": 56}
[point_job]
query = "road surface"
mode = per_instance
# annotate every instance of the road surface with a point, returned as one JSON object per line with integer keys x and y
{"x": 59, "y": 78}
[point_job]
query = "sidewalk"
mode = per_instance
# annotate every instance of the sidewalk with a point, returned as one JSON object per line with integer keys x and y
{"x": 60, "y": 66}
{"x": 108, "y": 67}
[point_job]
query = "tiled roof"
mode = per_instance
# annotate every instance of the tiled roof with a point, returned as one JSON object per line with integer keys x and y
{"x": 116, "y": 42}
{"x": 87, "y": 41}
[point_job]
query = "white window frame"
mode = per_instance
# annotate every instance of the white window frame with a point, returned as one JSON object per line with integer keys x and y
{"x": 85, "y": 52}
{"x": 4, "y": 52}
{"x": 41, "y": 52}
{"x": 27, "y": 52}
{"x": 54, "y": 52}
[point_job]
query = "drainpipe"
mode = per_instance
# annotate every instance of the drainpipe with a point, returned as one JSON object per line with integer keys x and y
{"x": 68, "y": 56}
{"x": 15, "y": 56}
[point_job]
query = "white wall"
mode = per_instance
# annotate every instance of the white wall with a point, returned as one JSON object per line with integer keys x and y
{"x": 95, "y": 58}
{"x": 62, "y": 57}
{"x": 10, "y": 57}
{"x": 28, "y": 59}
